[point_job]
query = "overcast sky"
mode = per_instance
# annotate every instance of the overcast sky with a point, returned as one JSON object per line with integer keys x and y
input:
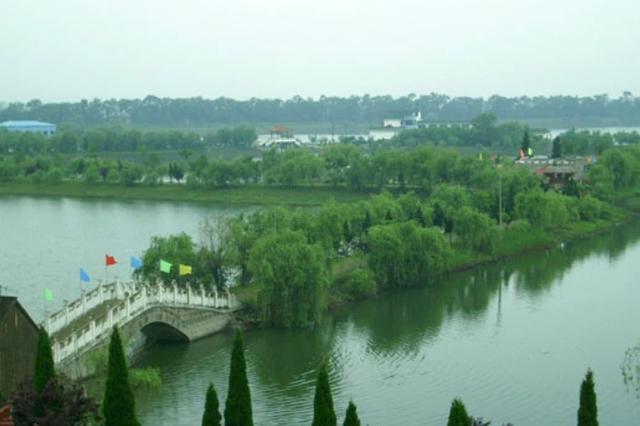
{"x": 71, "y": 49}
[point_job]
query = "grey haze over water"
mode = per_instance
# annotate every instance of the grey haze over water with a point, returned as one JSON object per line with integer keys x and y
{"x": 73, "y": 49}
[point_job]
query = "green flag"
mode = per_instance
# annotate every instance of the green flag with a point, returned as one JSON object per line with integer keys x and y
{"x": 165, "y": 266}
{"x": 48, "y": 295}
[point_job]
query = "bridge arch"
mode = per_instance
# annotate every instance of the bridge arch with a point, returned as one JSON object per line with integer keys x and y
{"x": 163, "y": 331}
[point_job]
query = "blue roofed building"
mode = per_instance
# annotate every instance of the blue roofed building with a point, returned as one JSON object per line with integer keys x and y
{"x": 47, "y": 129}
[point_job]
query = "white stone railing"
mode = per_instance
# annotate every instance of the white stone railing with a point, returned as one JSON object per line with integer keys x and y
{"x": 133, "y": 300}
{"x": 87, "y": 301}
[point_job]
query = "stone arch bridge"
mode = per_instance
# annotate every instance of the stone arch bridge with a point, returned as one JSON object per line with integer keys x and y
{"x": 142, "y": 312}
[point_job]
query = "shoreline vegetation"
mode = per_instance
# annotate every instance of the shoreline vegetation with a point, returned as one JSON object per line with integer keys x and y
{"x": 367, "y": 219}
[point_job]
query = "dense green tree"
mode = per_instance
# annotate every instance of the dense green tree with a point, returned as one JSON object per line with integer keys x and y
{"x": 237, "y": 409}
{"x": 544, "y": 209}
{"x": 458, "y": 414}
{"x": 293, "y": 278}
{"x": 323, "y": 412}
{"x": 588, "y": 411}
{"x": 484, "y": 126}
{"x": 92, "y": 174}
{"x": 346, "y": 231}
{"x": 43, "y": 370}
{"x": 351, "y": 418}
{"x": 367, "y": 222}
{"x": 211, "y": 416}
{"x": 174, "y": 249}
{"x": 405, "y": 254}
{"x": 118, "y": 407}
{"x": 419, "y": 216}
{"x": 556, "y": 149}
{"x": 475, "y": 230}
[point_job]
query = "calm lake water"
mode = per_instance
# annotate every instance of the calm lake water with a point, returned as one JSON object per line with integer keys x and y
{"x": 45, "y": 241}
{"x": 513, "y": 339}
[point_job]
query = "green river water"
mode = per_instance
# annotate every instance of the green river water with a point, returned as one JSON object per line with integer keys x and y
{"x": 513, "y": 339}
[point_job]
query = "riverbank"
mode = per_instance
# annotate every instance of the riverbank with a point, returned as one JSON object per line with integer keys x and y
{"x": 234, "y": 195}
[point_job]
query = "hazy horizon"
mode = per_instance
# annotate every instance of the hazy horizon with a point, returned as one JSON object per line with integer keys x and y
{"x": 70, "y": 50}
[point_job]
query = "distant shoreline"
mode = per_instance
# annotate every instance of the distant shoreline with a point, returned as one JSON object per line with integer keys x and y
{"x": 264, "y": 195}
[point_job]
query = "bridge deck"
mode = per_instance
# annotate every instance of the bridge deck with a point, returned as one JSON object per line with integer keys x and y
{"x": 84, "y": 321}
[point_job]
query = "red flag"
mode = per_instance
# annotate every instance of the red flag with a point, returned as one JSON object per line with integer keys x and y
{"x": 109, "y": 260}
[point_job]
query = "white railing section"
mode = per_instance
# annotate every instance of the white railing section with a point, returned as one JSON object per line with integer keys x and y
{"x": 131, "y": 300}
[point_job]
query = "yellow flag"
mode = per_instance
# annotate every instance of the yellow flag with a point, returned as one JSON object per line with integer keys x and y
{"x": 184, "y": 269}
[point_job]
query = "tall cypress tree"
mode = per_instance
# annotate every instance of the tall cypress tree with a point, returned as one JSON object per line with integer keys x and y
{"x": 211, "y": 415}
{"x": 556, "y": 148}
{"x": 526, "y": 142}
{"x": 588, "y": 411}
{"x": 237, "y": 408}
{"x": 458, "y": 414}
{"x": 118, "y": 408}
{"x": 323, "y": 412}
{"x": 352, "y": 416}
{"x": 43, "y": 370}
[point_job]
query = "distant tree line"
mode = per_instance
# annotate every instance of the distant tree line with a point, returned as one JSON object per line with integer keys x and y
{"x": 349, "y": 166}
{"x": 367, "y": 109}
{"x": 484, "y": 132}
{"x": 115, "y": 139}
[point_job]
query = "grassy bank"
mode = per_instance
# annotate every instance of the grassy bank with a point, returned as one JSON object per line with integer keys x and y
{"x": 242, "y": 195}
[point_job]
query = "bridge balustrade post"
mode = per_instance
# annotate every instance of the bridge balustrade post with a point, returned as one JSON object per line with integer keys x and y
{"x": 202, "y": 295}
{"x": 65, "y": 306}
{"x": 188, "y": 293}
{"x": 175, "y": 292}
{"x": 55, "y": 347}
{"x": 92, "y": 330}
{"x": 110, "y": 318}
{"x": 118, "y": 289}
{"x": 145, "y": 297}
{"x": 228, "y": 296}
{"x": 74, "y": 342}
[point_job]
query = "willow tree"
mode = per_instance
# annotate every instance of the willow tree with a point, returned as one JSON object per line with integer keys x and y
{"x": 293, "y": 278}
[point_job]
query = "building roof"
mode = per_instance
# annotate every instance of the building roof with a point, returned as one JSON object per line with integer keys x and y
{"x": 25, "y": 123}
{"x": 7, "y": 302}
{"x": 5, "y": 305}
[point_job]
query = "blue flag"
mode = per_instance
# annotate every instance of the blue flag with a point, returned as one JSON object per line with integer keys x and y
{"x": 84, "y": 276}
{"x": 136, "y": 262}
